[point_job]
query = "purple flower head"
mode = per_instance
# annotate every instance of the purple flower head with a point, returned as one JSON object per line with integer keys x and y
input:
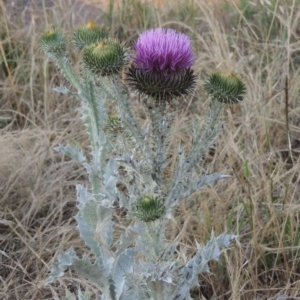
{"x": 163, "y": 50}
{"x": 161, "y": 67}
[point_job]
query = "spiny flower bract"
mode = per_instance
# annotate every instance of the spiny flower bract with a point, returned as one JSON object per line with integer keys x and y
{"x": 88, "y": 34}
{"x": 113, "y": 125}
{"x": 225, "y": 87}
{"x": 104, "y": 58}
{"x": 53, "y": 41}
{"x": 161, "y": 65}
{"x": 148, "y": 209}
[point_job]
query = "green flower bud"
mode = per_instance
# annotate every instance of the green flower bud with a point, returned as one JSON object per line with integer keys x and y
{"x": 53, "y": 41}
{"x": 88, "y": 34}
{"x": 225, "y": 88}
{"x": 113, "y": 126}
{"x": 104, "y": 58}
{"x": 148, "y": 209}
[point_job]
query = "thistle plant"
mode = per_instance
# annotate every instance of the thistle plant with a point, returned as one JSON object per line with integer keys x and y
{"x": 141, "y": 263}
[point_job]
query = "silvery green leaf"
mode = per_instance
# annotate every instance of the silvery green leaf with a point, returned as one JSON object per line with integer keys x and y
{"x": 64, "y": 261}
{"x": 169, "y": 252}
{"x": 126, "y": 239}
{"x": 122, "y": 266}
{"x": 111, "y": 289}
{"x": 150, "y": 239}
{"x": 95, "y": 227}
{"x": 130, "y": 294}
{"x": 161, "y": 277}
{"x": 62, "y": 89}
{"x": 83, "y": 295}
{"x": 209, "y": 179}
{"x": 87, "y": 233}
{"x": 110, "y": 178}
{"x": 183, "y": 293}
{"x": 90, "y": 271}
{"x": 129, "y": 160}
{"x": 94, "y": 116}
{"x": 51, "y": 56}
{"x": 224, "y": 239}
{"x": 182, "y": 190}
{"x": 104, "y": 228}
{"x": 94, "y": 224}
{"x": 211, "y": 251}
{"x": 74, "y": 153}
{"x": 82, "y": 195}
{"x": 123, "y": 200}
{"x": 205, "y": 138}
{"x": 194, "y": 184}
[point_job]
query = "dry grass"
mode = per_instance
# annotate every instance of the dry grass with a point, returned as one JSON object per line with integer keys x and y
{"x": 258, "y": 146}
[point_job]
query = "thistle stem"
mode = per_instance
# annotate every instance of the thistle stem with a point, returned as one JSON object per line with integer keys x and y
{"x": 67, "y": 71}
{"x": 130, "y": 122}
{"x": 203, "y": 141}
{"x": 157, "y": 114}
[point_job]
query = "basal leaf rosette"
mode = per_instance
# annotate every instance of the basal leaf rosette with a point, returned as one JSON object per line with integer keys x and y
{"x": 161, "y": 67}
{"x": 53, "y": 41}
{"x": 148, "y": 209}
{"x": 225, "y": 87}
{"x": 88, "y": 34}
{"x": 104, "y": 58}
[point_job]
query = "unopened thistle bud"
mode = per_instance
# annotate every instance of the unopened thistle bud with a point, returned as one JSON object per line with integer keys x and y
{"x": 113, "y": 126}
{"x": 161, "y": 66}
{"x": 53, "y": 41}
{"x": 88, "y": 34}
{"x": 225, "y": 87}
{"x": 104, "y": 58}
{"x": 148, "y": 209}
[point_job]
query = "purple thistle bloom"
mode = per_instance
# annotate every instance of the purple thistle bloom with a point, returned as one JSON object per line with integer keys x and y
{"x": 161, "y": 67}
{"x": 163, "y": 50}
